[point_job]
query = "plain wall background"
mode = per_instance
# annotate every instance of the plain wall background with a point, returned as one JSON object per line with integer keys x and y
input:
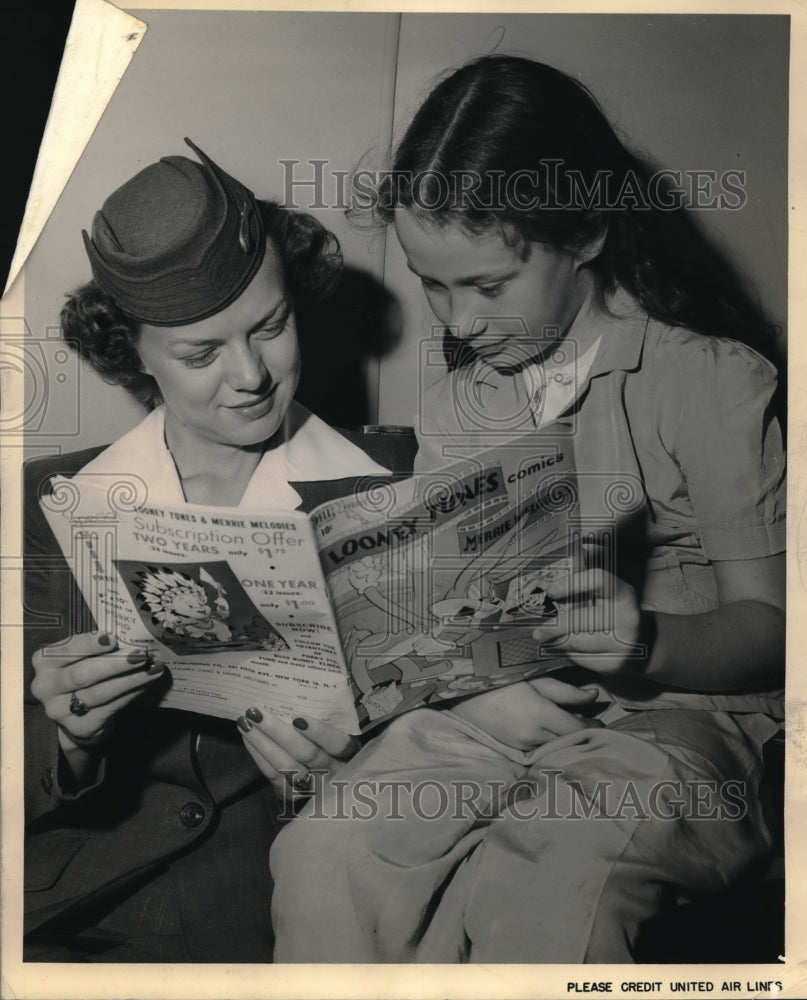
{"x": 691, "y": 92}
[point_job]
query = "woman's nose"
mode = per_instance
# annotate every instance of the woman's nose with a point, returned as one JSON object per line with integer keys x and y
{"x": 247, "y": 370}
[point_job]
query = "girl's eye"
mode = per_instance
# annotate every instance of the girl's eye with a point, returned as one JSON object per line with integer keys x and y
{"x": 429, "y": 285}
{"x": 492, "y": 290}
{"x": 200, "y": 360}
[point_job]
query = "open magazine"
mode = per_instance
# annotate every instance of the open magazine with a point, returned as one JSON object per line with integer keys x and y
{"x": 399, "y": 595}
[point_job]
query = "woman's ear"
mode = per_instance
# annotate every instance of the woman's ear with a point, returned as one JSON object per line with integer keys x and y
{"x": 592, "y": 249}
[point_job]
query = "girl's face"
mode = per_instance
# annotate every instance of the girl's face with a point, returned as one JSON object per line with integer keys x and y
{"x": 511, "y": 303}
{"x": 230, "y": 378}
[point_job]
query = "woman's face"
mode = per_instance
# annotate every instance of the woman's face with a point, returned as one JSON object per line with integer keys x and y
{"x": 511, "y": 303}
{"x": 230, "y": 378}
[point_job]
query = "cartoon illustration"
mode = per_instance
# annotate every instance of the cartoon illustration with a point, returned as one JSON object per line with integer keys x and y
{"x": 527, "y": 599}
{"x": 432, "y": 627}
{"x": 178, "y": 604}
{"x": 198, "y": 607}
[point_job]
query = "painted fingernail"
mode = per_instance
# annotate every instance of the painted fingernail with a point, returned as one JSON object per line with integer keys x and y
{"x": 104, "y": 639}
{"x": 255, "y": 714}
{"x": 299, "y": 723}
{"x": 137, "y": 656}
{"x": 155, "y": 668}
{"x": 243, "y": 724}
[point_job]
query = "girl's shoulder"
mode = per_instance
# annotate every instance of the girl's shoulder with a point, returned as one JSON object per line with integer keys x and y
{"x": 698, "y": 361}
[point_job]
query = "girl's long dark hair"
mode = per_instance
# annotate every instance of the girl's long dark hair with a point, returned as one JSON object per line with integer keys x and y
{"x": 511, "y": 142}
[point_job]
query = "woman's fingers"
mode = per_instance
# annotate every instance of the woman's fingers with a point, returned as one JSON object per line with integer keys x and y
{"x": 77, "y": 647}
{"x": 281, "y": 752}
{"x": 286, "y": 754}
{"x": 95, "y": 725}
{"x": 96, "y": 694}
{"x": 333, "y": 741}
{"x": 84, "y": 680}
{"x": 95, "y": 680}
{"x": 267, "y": 769}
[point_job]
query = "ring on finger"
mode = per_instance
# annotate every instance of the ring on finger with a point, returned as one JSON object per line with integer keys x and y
{"x": 77, "y": 706}
{"x": 301, "y": 782}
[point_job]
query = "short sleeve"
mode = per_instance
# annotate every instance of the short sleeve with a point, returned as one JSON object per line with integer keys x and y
{"x": 728, "y": 444}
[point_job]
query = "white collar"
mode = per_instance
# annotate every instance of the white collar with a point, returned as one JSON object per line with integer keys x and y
{"x": 552, "y": 386}
{"x": 311, "y": 451}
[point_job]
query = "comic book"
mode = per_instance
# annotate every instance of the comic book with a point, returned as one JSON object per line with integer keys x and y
{"x": 400, "y": 595}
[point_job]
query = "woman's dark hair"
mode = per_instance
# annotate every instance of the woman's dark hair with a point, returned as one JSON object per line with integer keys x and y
{"x": 511, "y": 142}
{"x": 105, "y": 336}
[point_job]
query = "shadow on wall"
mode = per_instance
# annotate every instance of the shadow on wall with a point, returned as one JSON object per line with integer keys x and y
{"x": 360, "y": 321}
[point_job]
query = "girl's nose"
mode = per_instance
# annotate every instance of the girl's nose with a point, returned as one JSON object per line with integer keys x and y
{"x": 466, "y": 322}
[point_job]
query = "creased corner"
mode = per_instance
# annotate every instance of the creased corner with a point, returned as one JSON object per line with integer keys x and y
{"x": 100, "y": 45}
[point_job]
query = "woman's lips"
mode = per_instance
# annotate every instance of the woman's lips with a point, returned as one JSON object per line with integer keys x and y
{"x": 257, "y": 407}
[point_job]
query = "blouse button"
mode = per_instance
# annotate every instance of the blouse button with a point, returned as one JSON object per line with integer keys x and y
{"x": 192, "y": 814}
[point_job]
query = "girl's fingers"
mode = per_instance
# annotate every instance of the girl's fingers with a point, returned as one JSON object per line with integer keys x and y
{"x": 587, "y": 582}
{"x": 558, "y": 722}
{"x": 562, "y": 693}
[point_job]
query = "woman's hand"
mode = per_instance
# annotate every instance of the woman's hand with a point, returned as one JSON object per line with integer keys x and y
{"x": 599, "y": 623}
{"x": 82, "y": 683}
{"x": 288, "y": 754}
{"x": 530, "y": 713}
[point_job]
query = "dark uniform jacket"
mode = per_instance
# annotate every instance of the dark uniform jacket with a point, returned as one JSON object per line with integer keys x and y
{"x": 173, "y": 840}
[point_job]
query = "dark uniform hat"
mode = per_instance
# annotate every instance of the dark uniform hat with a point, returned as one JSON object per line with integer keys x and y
{"x": 178, "y": 242}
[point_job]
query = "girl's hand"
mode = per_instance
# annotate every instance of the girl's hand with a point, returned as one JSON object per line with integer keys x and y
{"x": 528, "y": 714}
{"x": 288, "y": 754}
{"x": 83, "y": 681}
{"x": 599, "y": 622}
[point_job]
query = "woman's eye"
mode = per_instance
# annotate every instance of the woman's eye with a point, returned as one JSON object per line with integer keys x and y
{"x": 492, "y": 290}
{"x": 275, "y": 329}
{"x": 268, "y": 332}
{"x": 429, "y": 285}
{"x": 199, "y": 360}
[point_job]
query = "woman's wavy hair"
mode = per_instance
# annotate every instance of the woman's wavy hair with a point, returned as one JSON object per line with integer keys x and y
{"x": 100, "y": 332}
{"x": 510, "y": 142}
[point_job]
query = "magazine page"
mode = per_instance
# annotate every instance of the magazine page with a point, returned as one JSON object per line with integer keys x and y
{"x": 233, "y": 601}
{"x": 439, "y": 582}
